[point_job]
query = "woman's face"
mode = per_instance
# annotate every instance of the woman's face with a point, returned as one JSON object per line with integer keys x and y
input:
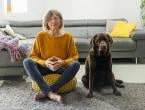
{"x": 54, "y": 22}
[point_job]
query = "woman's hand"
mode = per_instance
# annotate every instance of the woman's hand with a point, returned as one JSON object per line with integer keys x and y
{"x": 54, "y": 63}
{"x": 58, "y": 64}
{"x": 49, "y": 64}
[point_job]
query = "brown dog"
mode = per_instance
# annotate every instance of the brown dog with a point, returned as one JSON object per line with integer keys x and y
{"x": 98, "y": 66}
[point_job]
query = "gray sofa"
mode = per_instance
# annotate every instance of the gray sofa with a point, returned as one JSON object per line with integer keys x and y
{"x": 82, "y": 31}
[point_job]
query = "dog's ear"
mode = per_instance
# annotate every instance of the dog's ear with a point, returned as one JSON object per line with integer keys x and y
{"x": 92, "y": 42}
{"x": 110, "y": 39}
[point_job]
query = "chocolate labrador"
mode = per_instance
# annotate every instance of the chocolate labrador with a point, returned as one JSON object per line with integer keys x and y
{"x": 98, "y": 66}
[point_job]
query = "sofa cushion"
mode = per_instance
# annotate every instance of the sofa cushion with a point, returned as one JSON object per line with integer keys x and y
{"x": 28, "y": 32}
{"x": 93, "y": 30}
{"x": 96, "y": 22}
{"x": 27, "y": 41}
{"x": 34, "y": 23}
{"x": 77, "y": 32}
{"x": 3, "y": 23}
{"x": 82, "y": 44}
{"x": 20, "y": 37}
{"x": 123, "y": 44}
{"x": 75, "y": 23}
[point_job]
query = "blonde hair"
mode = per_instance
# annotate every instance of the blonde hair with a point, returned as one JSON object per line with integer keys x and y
{"x": 48, "y": 16}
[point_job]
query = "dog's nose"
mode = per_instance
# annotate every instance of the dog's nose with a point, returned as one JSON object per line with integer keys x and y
{"x": 103, "y": 46}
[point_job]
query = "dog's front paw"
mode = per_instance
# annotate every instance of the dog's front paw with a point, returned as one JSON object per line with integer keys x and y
{"x": 117, "y": 93}
{"x": 90, "y": 95}
{"x": 122, "y": 86}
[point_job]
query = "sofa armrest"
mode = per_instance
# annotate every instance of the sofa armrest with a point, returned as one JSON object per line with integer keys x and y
{"x": 138, "y": 34}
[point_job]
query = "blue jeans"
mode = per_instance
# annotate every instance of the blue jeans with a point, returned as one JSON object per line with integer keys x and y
{"x": 36, "y": 73}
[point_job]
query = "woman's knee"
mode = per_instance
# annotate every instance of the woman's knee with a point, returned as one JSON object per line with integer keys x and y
{"x": 27, "y": 62}
{"x": 75, "y": 64}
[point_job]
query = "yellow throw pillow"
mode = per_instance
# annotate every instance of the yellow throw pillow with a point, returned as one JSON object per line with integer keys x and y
{"x": 51, "y": 78}
{"x": 122, "y": 29}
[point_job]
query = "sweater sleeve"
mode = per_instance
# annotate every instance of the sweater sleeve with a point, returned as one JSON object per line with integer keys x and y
{"x": 72, "y": 52}
{"x": 36, "y": 53}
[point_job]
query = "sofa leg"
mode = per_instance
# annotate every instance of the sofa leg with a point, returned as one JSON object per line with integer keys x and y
{"x": 136, "y": 60}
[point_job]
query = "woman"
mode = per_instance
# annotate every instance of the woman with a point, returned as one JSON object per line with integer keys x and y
{"x": 54, "y": 51}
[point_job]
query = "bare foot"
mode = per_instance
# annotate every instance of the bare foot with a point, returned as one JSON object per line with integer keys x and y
{"x": 38, "y": 96}
{"x": 55, "y": 97}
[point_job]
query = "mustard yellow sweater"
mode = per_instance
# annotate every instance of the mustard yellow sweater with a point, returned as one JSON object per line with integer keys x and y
{"x": 46, "y": 46}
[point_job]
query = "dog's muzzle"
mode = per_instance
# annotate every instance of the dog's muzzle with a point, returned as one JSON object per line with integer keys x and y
{"x": 103, "y": 47}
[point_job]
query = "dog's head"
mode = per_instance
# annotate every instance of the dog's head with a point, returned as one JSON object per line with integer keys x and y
{"x": 101, "y": 43}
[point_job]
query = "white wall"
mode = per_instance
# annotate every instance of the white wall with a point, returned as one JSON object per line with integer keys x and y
{"x": 80, "y": 9}
{"x": 129, "y": 9}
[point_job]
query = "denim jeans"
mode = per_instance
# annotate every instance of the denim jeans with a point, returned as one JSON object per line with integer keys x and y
{"x": 36, "y": 73}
